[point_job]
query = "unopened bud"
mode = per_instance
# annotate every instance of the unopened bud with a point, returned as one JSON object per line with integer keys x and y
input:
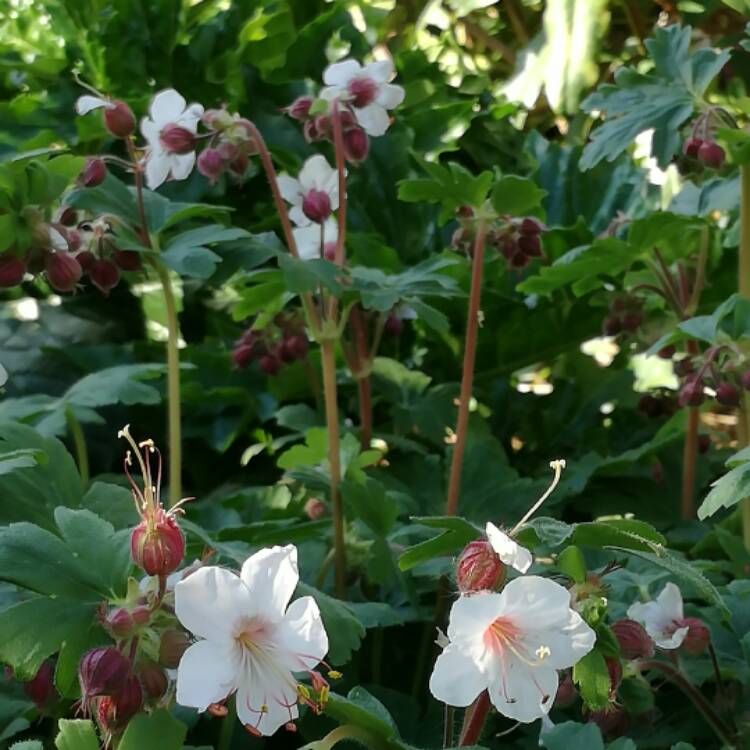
{"x": 613, "y": 721}
{"x": 315, "y": 509}
{"x": 299, "y": 109}
{"x": 711, "y": 154}
{"x": 566, "y": 692}
{"x": 42, "y": 689}
{"x": 157, "y": 544}
{"x": 691, "y": 394}
{"x": 393, "y": 325}
{"x": 270, "y": 364}
{"x": 115, "y": 711}
{"x": 242, "y": 355}
{"x": 153, "y": 679}
{"x": 102, "y": 671}
{"x": 63, "y": 271}
{"x": 172, "y": 646}
{"x": 127, "y": 260}
{"x": 698, "y": 636}
{"x": 690, "y": 147}
{"x": 119, "y": 623}
{"x": 93, "y": 173}
{"x": 635, "y": 642}
{"x": 217, "y": 119}
{"x": 356, "y": 144}
{"x": 105, "y": 275}
{"x": 479, "y": 568}
{"x": 727, "y": 394}
{"x": 211, "y": 164}
{"x": 12, "y": 270}
{"x": 119, "y": 119}
{"x": 176, "y": 139}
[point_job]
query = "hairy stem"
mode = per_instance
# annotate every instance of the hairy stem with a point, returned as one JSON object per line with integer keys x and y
{"x": 338, "y": 141}
{"x": 474, "y": 720}
{"x": 328, "y": 356}
{"x": 79, "y": 444}
{"x": 689, "y": 455}
{"x": 467, "y": 378}
{"x": 744, "y": 289}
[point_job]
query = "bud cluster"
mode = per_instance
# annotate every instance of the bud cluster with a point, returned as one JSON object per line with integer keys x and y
{"x": 519, "y": 241}
{"x": 281, "y": 343}
{"x": 230, "y": 146}
{"x": 625, "y": 316}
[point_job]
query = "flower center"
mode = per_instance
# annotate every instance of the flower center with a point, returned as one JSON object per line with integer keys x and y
{"x": 253, "y": 634}
{"x": 176, "y": 139}
{"x": 363, "y": 91}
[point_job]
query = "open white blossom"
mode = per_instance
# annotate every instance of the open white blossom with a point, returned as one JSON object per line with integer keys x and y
{"x": 251, "y": 639}
{"x": 310, "y": 238}
{"x": 510, "y": 552}
{"x": 169, "y": 110}
{"x": 511, "y": 644}
{"x": 366, "y": 89}
{"x": 662, "y": 618}
{"x": 314, "y": 195}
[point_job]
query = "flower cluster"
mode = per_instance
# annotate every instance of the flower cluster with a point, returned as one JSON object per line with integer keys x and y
{"x": 279, "y": 344}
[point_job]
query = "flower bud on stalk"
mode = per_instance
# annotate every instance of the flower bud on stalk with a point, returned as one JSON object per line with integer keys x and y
{"x": 635, "y": 642}
{"x": 479, "y": 568}
{"x": 156, "y": 544}
{"x": 356, "y": 144}
{"x": 172, "y": 646}
{"x": 127, "y": 260}
{"x": 12, "y": 270}
{"x": 153, "y": 679}
{"x": 119, "y": 119}
{"x": 698, "y": 636}
{"x": 177, "y": 140}
{"x": 105, "y": 275}
{"x": 102, "y": 671}
{"x": 315, "y": 509}
{"x": 63, "y": 271}
{"x": 299, "y": 109}
{"x": 42, "y": 689}
{"x": 93, "y": 173}
{"x": 115, "y": 711}
{"x": 211, "y": 164}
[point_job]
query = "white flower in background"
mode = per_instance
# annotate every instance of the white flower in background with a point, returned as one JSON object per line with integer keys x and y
{"x": 314, "y": 195}
{"x": 3, "y": 376}
{"x": 251, "y": 640}
{"x": 512, "y": 645}
{"x": 366, "y": 89}
{"x": 310, "y": 238}
{"x": 662, "y": 618}
{"x": 170, "y": 132}
{"x": 507, "y": 550}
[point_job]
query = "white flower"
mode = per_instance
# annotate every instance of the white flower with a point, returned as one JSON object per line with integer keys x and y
{"x": 88, "y": 103}
{"x": 168, "y": 108}
{"x": 251, "y": 640}
{"x": 662, "y": 618}
{"x": 314, "y": 195}
{"x": 309, "y": 238}
{"x": 366, "y": 89}
{"x": 512, "y": 645}
{"x": 507, "y": 550}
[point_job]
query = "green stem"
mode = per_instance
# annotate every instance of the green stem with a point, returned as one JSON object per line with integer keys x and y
{"x": 744, "y": 289}
{"x": 474, "y": 720}
{"x": 173, "y": 385}
{"x": 348, "y": 732}
{"x": 227, "y": 728}
{"x": 79, "y": 443}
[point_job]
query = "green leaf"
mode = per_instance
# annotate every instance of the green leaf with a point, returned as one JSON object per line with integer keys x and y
{"x": 516, "y": 196}
{"x": 20, "y": 459}
{"x": 188, "y": 252}
{"x": 544, "y": 530}
{"x": 116, "y": 385}
{"x": 619, "y": 532}
{"x": 302, "y": 276}
{"x": 111, "y": 197}
{"x": 458, "y": 533}
{"x": 592, "y": 677}
{"x": 28, "y": 745}
{"x": 370, "y": 503}
{"x": 76, "y": 734}
{"x": 158, "y": 730}
{"x": 571, "y": 562}
{"x": 570, "y": 734}
{"x": 726, "y": 491}
{"x": 363, "y": 710}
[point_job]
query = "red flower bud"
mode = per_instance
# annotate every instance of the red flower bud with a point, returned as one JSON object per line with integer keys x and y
{"x": 356, "y": 144}
{"x": 698, "y": 636}
{"x": 316, "y": 205}
{"x": 530, "y": 245}
{"x": 157, "y": 544}
{"x": 270, "y": 364}
{"x": 393, "y": 325}
{"x": 711, "y": 154}
{"x": 102, "y": 671}
{"x": 93, "y": 173}
{"x": 299, "y": 109}
{"x": 566, "y": 692}
{"x": 611, "y": 325}
{"x": 153, "y": 679}
{"x": 479, "y": 568}
{"x": 127, "y": 260}
{"x": 104, "y": 275}
{"x": 296, "y": 346}
{"x": 315, "y": 509}
{"x": 115, "y": 711}
{"x": 239, "y": 165}
{"x": 119, "y": 119}
{"x": 691, "y": 394}
{"x": 86, "y": 259}
{"x": 613, "y": 721}
{"x": 211, "y": 163}
{"x": 228, "y": 151}
{"x": 119, "y": 623}
{"x": 530, "y": 227}
{"x": 172, "y": 646}
{"x": 42, "y": 689}
{"x": 727, "y": 394}
{"x": 243, "y": 355}
{"x": 63, "y": 271}
{"x": 691, "y": 146}
{"x": 12, "y": 270}
{"x": 176, "y": 139}
{"x": 635, "y": 642}
{"x": 68, "y": 217}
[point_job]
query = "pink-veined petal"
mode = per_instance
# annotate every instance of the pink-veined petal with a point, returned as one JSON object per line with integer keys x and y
{"x": 340, "y": 73}
{"x": 301, "y": 637}
{"x": 456, "y": 679}
{"x": 380, "y": 71}
{"x": 521, "y": 692}
{"x": 471, "y": 615}
{"x": 266, "y": 698}
{"x": 211, "y": 602}
{"x": 190, "y": 118}
{"x": 167, "y": 106}
{"x": 157, "y": 168}
{"x": 508, "y": 550}
{"x": 271, "y": 575}
{"x": 207, "y": 673}
{"x": 560, "y": 648}
{"x": 534, "y": 603}
{"x": 87, "y": 103}
{"x": 181, "y": 165}
{"x": 390, "y": 96}
{"x": 373, "y": 118}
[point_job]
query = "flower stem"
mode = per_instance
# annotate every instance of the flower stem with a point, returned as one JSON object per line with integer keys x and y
{"x": 467, "y": 379}
{"x": 744, "y": 289}
{"x": 474, "y": 720}
{"x": 689, "y": 455}
{"x": 348, "y": 732}
{"x": 227, "y": 727}
{"x": 338, "y": 141}
{"x": 328, "y": 357}
{"x": 673, "y": 673}
{"x": 173, "y": 385}
{"x": 79, "y": 443}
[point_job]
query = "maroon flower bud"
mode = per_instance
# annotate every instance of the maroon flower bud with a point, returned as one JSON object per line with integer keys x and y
{"x": 727, "y": 394}
{"x": 74, "y": 239}
{"x": 217, "y": 119}
{"x": 698, "y": 636}
{"x": 612, "y": 325}
{"x": 745, "y": 379}
{"x": 530, "y": 245}
{"x": 176, "y": 139}
{"x": 12, "y": 270}
{"x": 316, "y": 205}
{"x": 127, "y": 260}
{"x": 683, "y": 367}
{"x": 649, "y": 405}
{"x": 93, "y": 173}
{"x": 228, "y": 151}
{"x": 153, "y": 679}
{"x": 666, "y": 352}
{"x": 362, "y": 91}
{"x": 530, "y": 227}
{"x": 299, "y": 109}
{"x": 465, "y": 212}
{"x": 270, "y": 364}
{"x": 297, "y": 345}
{"x": 566, "y": 692}
{"x": 172, "y": 646}
{"x": 509, "y": 247}
{"x": 711, "y": 154}
{"x": 104, "y": 275}
{"x": 613, "y": 721}
{"x": 312, "y": 131}
{"x": 242, "y": 355}
{"x": 356, "y": 144}
{"x": 479, "y": 568}
{"x": 239, "y": 165}
{"x": 63, "y": 271}
{"x": 704, "y": 443}
{"x": 102, "y": 671}
{"x": 635, "y": 642}
{"x": 157, "y": 544}
{"x": 691, "y": 394}
{"x": 394, "y": 325}
{"x": 315, "y": 509}
{"x": 329, "y": 251}
{"x": 520, "y": 260}
{"x": 69, "y": 216}
{"x": 86, "y": 259}
{"x": 42, "y": 689}
{"x": 211, "y": 163}
{"x": 115, "y": 711}
{"x": 119, "y": 623}
{"x": 119, "y": 119}
{"x": 631, "y": 321}
{"x": 691, "y": 146}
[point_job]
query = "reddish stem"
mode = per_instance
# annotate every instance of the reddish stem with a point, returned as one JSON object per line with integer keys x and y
{"x": 467, "y": 379}
{"x": 338, "y": 141}
{"x": 689, "y": 455}
{"x": 474, "y": 720}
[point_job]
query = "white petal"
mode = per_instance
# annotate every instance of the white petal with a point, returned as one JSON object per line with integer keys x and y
{"x": 167, "y": 106}
{"x": 329, "y": 93}
{"x": 316, "y": 174}
{"x": 87, "y": 103}
{"x": 373, "y": 118}
{"x": 298, "y": 217}
{"x": 456, "y": 679}
{"x": 508, "y": 550}
{"x": 271, "y": 576}
{"x": 210, "y": 602}
{"x": 207, "y": 673}
{"x": 181, "y": 165}
{"x": 151, "y": 132}
{"x": 157, "y": 168}
{"x": 670, "y": 600}
{"x": 190, "y": 118}
{"x": 57, "y": 240}
{"x": 560, "y": 648}
{"x": 534, "y": 603}
{"x": 290, "y": 189}
{"x": 671, "y": 641}
{"x": 275, "y": 690}
{"x": 521, "y": 692}
{"x": 390, "y": 96}
{"x": 660, "y": 617}
{"x": 340, "y": 73}
{"x": 380, "y": 71}
{"x": 301, "y": 638}
{"x": 308, "y": 238}
{"x": 471, "y": 615}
